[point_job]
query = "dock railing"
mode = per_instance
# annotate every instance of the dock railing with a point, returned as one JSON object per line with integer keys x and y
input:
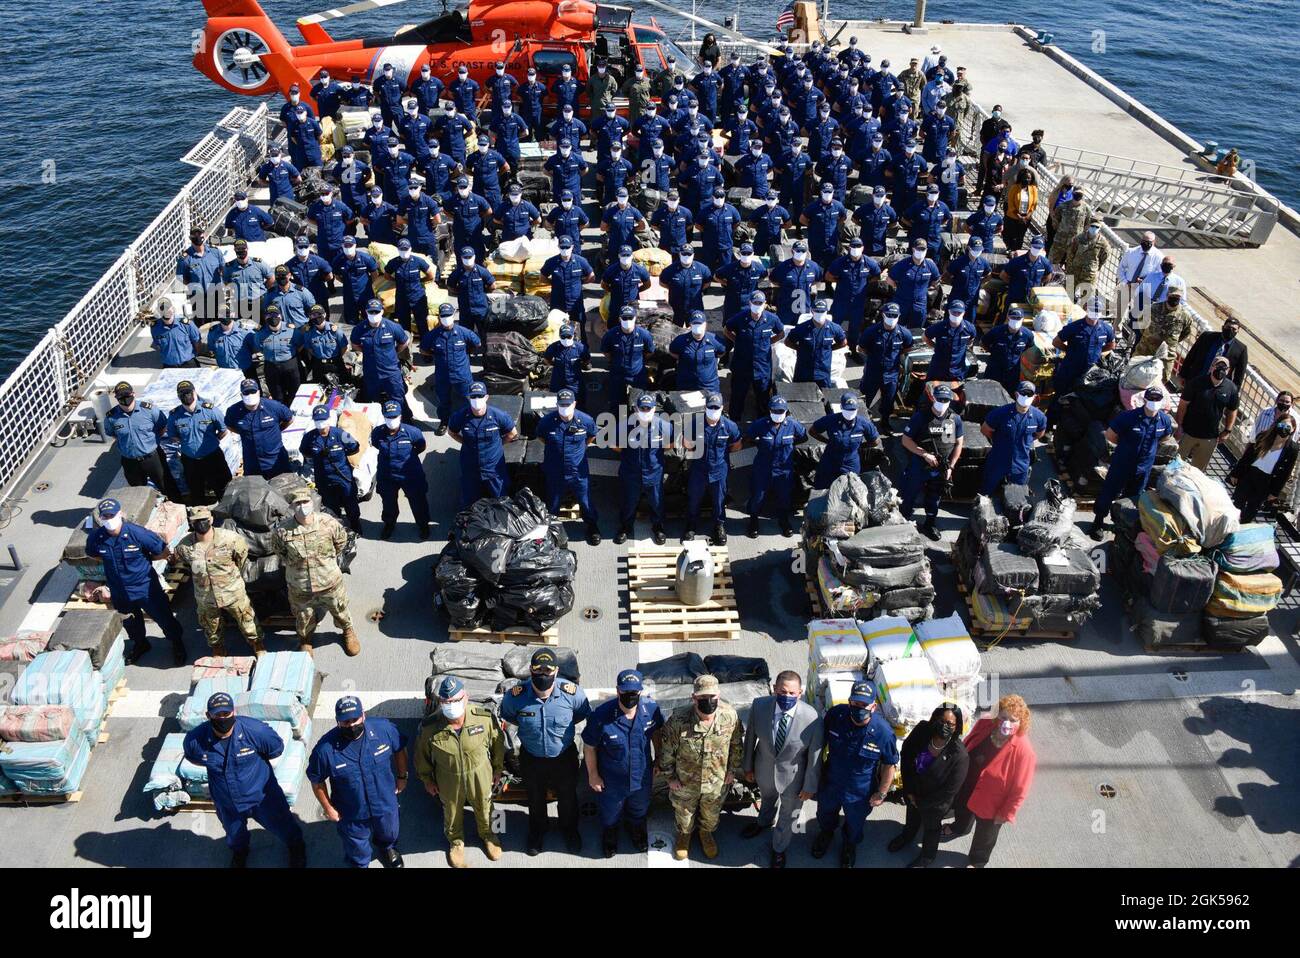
{"x": 49, "y": 383}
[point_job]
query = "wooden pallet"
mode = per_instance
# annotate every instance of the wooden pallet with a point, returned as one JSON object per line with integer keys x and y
{"x": 119, "y": 690}
{"x": 979, "y": 632}
{"x": 517, "y": 635}
{"x": 1192, "y": 650}
{"x": 23, "y": 798}
{"x": 172, "y": 581}
{"x": 814, "y": 594}
{"x": 655, "y": 613}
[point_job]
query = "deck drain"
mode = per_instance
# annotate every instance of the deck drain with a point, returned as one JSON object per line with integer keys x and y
{"x": 658, "y": 843}
{"x": 591, "y": 613}
{"x": 1179, "y": 675}
{"x": 1106, "y": 790}
{"x": 41, "y": 486}
{"x": 375, "y": 615}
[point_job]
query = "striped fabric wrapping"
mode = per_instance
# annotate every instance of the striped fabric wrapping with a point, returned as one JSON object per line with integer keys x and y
{"x": 291, "y": 768}
{"x": 1165, "y": 527}
{"x": 835, "y": 645}
{"x": 64, "y": 678}
{"x": 36, "y": 723}
{"x": 213, "y": 665}
{"x": 953, "y": 656}
{"x": 162, "y": 774}
{"x": 888, "y": 639}
{"x": 24, "y": 646}
{"x": 907, "y": 690}
{"x": 114, "y": 667}
{"x": 46, "y": 768}
{"x": 836, "y": 595}
{"x": 285, "y": 672}
{"x": 1244, "y": 596}
{"x": 270, "y": 706}
{"x": 992, "y": 613}
{"x": 1252, "y": 548}
{"x": 194, "y": 778}
{"x": 7, "y": 786}
{"x": 194, "y": 710}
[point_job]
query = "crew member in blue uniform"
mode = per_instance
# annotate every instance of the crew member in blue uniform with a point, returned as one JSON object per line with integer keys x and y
{"x": 363, "y": 760}
{"x": 237, "y": 753}
{"x": 717, "y": 225}
{"x": 567, "y": 432}
{"x": 1013, "y": 429}
{"x": 136, "y": 427}
{"x": 685, "y": 281}
{"x": 357, "y": 270}
{"x": 128, "y": 551}
{"x": 1136, "y": 434}
{"x": 321, "y": 346}
{"x": 399, "y": 469}
{"x": 845, "y": 433}
{"x": 380, "y": 342}
{"x": 275, "y": 342}
{"x": 861, "y": 761}
{"x": 470, "y": 216}
{"x": 641, "y": 467}
{"x": 851, "y": 275}
{"x": 410, "y": 273}
{"x": 618, "y": 750}
{"x": 421, "y": 215}
{"x": 452, "y": 128}
{"x": 569, "y": 358}
{"x": 769, "y": 220}
{"x": 1005, "y": 343}
{"x": 449, "y": 346}
{"x": 291, "y": 301}
{"x": 247, "y": 222}
{"x": 813, "y": 342}
{"x": 567, "y": 218}
{"x": 620, "y": 223}
{"x": 673, "y": 221}
{"x": 428, "y": 89}
{"x": 952, "y": 339}
{"x": 231, "y": 343}
{"x": 626, "y": 347}
{"x": 380, "y": 219}
{"x": 258, "y": 422}
{"x": 567, "y": 272}
{"x": 331, "y": 216}
{"x": 547, "y": 711}
{"x": 388, "y": 93}
{"x": 566, "y": 168}
{"x": 834, "y": 170}
{"x": 305, "y": 140}
{"x": 625, "y": 281}
{"x": 482, "y": 430}
{"x": 912, "y": 279}
{"x": 309, "y": 271}
{"x": 739, "y": 279}
{"x": 174, "y": 339}
{"x": 878, "y": 221}
{"x": 754, "y": 170}
{"x": 697, "y": 353}
{"x": 985, "y": 222}
{"x": 966, "y": 274}
{"x": 794, "y": 280}
{"x": 326, "y": 448}
{"x": 824, "y": 217}
{"x": 247, "y": 279}
{"x": 201, "y": 269}
{"x": 198, "y": 427}
{"x": 532, "y": 93}
{"x": 615, "y": 173}
{"x": 351, "y": 175}
{"x": 508, "y": 128}
{"x": 470, "y": 283}
{"x": 934, "y": 437}
{"x": 517, "y": 216}
{"x": 1083, "y": 341}
{"x": 279, "y": 174}
{"x": 1022, "y": 273}
{"x": 752, "y": 333}
{"x": 710, "y": 468}
{"x": 441, "y": 171}
{"x": 772, "y": 476}
{"x": 487, "y": 166}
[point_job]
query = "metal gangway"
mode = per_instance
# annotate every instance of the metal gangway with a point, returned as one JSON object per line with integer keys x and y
{"x": 1170, "y": 197}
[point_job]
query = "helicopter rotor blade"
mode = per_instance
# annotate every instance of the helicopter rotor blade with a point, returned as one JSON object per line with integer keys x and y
{"x": 733, "y": 34}
{"x": 361, "y": 6}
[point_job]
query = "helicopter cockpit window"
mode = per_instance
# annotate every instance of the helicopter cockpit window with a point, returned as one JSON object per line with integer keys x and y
{"x": 549, "y": 62}
{"x": 686, "y": 62}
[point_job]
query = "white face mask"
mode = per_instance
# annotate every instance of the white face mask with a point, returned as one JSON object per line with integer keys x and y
{"x": 349, "y": 251}
{"x": 567, "y": 204}
{"x": 955, "y": 320}
{"x": 687, "y": 260}
{"x": 566, "y": 412}
{"x": 446, "y": 321}
{"x": 565, "y": 150}
{"x": 645, "y": 415}
{"x": 294, "y": 98}
{"x": 113, "y": 524}
{"x": 821, "y": 319}
{"x": 323, "y": 426}
{"x": 627, "y": 325}
{"x": 713, "y": 415}
{"x": 566, "y": 254}
{"x": 625, "y": 261}
{"x": 275, "y": 160}
{"x": 849, "y": 414}
{"x": 463, "y": 192}
{"x": 939, "y": 408}
{"x": 777, "y": 417}
{"x": 374, "y": 320}
{"x": 1024, "y": 402}
{"x": 658, "y": 151}
{"x": 622, "y": 202}
{"x": 566, "y": 340}
{"x": 478, "y": 405}
{"x": 918, "y": 254}
{"x": 404, "y": 253}
{"x": 855, "y": 252}
{"x": 241, "y": 204}
{"x": 468, "y": 262}
{"x": 304, "y": 253}
{"x": 718, "y": 201}
{"x": 393, "y": 151}
{"x": 891, "y": 322}
{"x": 756, "y": 310}
{"x": 392, "y": 422}
{"x": 771, "y": 202}
{"x": 697, "y": 330}
{"x": 878, "y": 200}
{"x": 251, "y": 400}
{"x": 1035, "y": 253}
{"x": 453, "y": 710}
{"x": 1153, "y": 405}
{"x": 348, "y": 161}
{"x": 800, "y": 257}
{"x": 1014, "y": 324}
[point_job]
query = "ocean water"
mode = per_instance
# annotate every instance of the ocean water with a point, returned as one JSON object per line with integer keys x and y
{"x": 99, "y": 102}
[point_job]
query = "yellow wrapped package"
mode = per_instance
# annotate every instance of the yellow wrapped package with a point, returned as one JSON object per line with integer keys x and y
{"x": 604, "y": 308}
{"x": 653, "y": 259}
{"x": 382, "y": 253}
{"x": 554, "y": 320}
{"x": 327, "y": 145}
{"x": 1052, "y": 298}
{"x": 534, "y": 283}
{"x": 1165, "y": 526}
{"x": 357, "y": 425}
{"x": 386, "y": 292}
{"x": 436, "y": 295}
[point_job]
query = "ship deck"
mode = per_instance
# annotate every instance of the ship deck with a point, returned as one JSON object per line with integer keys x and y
{"x": 1144, "y": 760}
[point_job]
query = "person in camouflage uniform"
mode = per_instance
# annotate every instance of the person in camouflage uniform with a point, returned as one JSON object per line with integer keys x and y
{"x": 309, "y": 545}
{"x": 961, "y": 107}
{"x": 601, "y": 87}
{"x": 666, "y": 79}
{"x": 215, "y": 560}
{"x": 1070, "y": 221}
{"x": 1086, "y": 254}
{"x": 460, "y": 757}
{"x": 700, "y": 755}
{"x": 912, "y": 81}
{"x": 1171, "y": 323}
{"x": 638, "y": 91}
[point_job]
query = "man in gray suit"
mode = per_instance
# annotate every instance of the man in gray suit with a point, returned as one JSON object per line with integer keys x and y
{"x": 783, "y": 754}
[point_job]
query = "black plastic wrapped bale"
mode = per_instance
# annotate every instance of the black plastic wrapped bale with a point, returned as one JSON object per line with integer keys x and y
{"x": 595, "y": 382}
{"x": 512, "y": 454}
{"x": 1098, "y": 398}
{"x": 1233, "y": 633}
{"x": 1126, "y": 517}
{"x": 986, "y": 524}
{"x": 510, "y": 516}
{"x": 539, "y": 560}
{"x": 885, "y": 546}
{"x": 1159, "y": 630}
{"x": 1166, "y": 451}
{"x": 536, "y": 606}
{"x": 800, "y": 392}
{"x": 251, "y": 502}
{"x": 893, "y": 600}
{"x": 1072, "y": 419}
{"x": 680, "y": 669}
{"x": 138, "y": 504}
{"x": 806, "y": 413}
{"x": 93, "y": 631}
{"x": 457, "y": 590}
{"x": 1182, "y": 583}
{"x": 287, "y": 483}
{"x": 510, "y": 353}
{"x": 499, "y": 384}
{"x": 967, "y": 479}
{"x": 1017, "y": 503}
{"x": 982, "y": 397}
{"x": 831, "y": 396}
{"x": 259, "y": 542}
{"x": 975, "y": 446}
{"x": 517, "y": 662}
{"x": 511, "y": 405}
{"x": 1006, "y": 570}
{"x": 966, "y": 555}
{"x": 663, "y": 332}
{"x": 263, "y": 576}
{"x": 736, "y": 668}
{"x": 1068, "y": 572}
{"x": 1050, "y": 522}
{"x": 1096, "y": 443}
{"x": 467, "y": 662}
{"x": 527, "y": 315}
{"x": 875, "y": 578}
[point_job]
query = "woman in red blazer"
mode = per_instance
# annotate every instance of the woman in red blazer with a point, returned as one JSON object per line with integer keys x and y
{"x": 1001, "y": 770}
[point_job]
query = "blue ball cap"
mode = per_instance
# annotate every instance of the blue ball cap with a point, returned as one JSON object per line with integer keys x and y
{"x": 943, "y": 392}
{"x": 347, "y": 151}
{"x": 957, "y": 306}
{"x": 656, "y": 141}
{"x": 374, "y": 306}
{"x": 302, "y": 242}
{"x": 320, "y": 414}
{"x": 714, "y": 401}
{"x": 719, "y": 193}
{"x": 248, "y": 387}
{"x": 516, "y": 189}
{"x": 241, "y": 194}
{"x": 450, "y": 687}
{"x": 1037, "y": 243}
{"x": 627, "y": 312}
{"x": 848, "y": 401}
{"x": 446, "y": 309}
{"x": 621, "y": 193}
{"x": 462, "y": 181}
{"x": 698, "y": 317}
{"x": 478, "y": 391}
{"x": 273, "y": 151}
{"x": 976, "y": 244}
{"x": 348, "y": 708}
{"x": 293, "y": 88}
{"x": 757, "y": 298}
{"x": 108, "y": 508}
{"x": 1155, "y": 394}
{"x": 566, "y": 332}
{"x": 910, "y": 144}
{"x": 629, "y": 680}
{"x": 878, "y": 191}
{"x": 565, "y": 397}
{"x": 800, "y": 247}
{"x": 746, "y": 249}
{"x": 566, "y": 242}
{"x": 565, "y": 142}
{"x": 350, "y": 240}
{"x": 392, "y": 408}
{"x": 777, "y": 404}
{"x": 1016, "y": 313}
{"x": 863, "y": 693}
{"x": 220, "y": 703}
{"x": 403, "y": 243}
{"x": 376, "y": 193}
{"x": 466, "y": 252}
{"x": 1026, "y": 388}
{"x": 856, "y": 243}
{"x": 645, "y": 401}
{"x": 625, "y": 251}
{"x": 566, "y": 195}
{"x": 822, "y": 306}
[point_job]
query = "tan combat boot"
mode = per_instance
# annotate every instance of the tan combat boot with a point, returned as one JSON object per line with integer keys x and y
{"x": 217, "y": 648}
{"x": 682, "y": 848}
{"x": 491, "y": 849}
{"x": 456, "y": 855}
{"x": 306, "y": 646}
{"x": 351, "y": 644}
{"x": 709, "y": 846}
{"x": 259, "y": 649}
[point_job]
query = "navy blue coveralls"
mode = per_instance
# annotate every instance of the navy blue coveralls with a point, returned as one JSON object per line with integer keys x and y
{"x": 482, "y": 456}
{"x": 751, "y": 359}
{"x": 328, "y": 454}
{"x": 381, "y": 370}
{"x": 1013, "y": 442}
{"x": 259, "y": 432}
{"x": 1084, "y": 343}
{"x": 1135, "y": 453}
{"x": 452, "y": 377}
{"x": 627, "y": 353}
{"x": 471, "y": 287}
{"x": 852, "y": 281}
{"x": 685, "y": 285}
{"x": 709, "y": 471}
{"x": 950, "y": 345}
{"x": 399, "y": 468}
{"x": 813, "y": 346}
{"x": 853, "y": 752}
{"x": 567, "y": 364}
{"x": 774, "y": 464}
{"x": 912, "y": 294}
{"x": 844, "y": 440}
{"x": 132, "y": 582}
{"x": 1005, "y": 347}
{"x": 566, "y": 278}
{"x": 641, "y": 467}
{"x": 241, "y": 781}
{"x": 741, "y": 282}
{"x": 565, "y": 462}
{"x": 697, "y": 361}
{"x": 884, "y": 363}
{"x": 363, "y": 786}
{"x": 624, "y": 759}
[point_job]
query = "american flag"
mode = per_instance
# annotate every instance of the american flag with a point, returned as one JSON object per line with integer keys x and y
{"x": 785, "y": 19}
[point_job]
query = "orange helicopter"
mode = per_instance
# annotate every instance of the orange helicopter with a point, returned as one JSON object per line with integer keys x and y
{"x": 243, "y": 50}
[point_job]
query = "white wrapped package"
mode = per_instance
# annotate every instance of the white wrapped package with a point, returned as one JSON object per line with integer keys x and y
{"x": 953, "y": 656}
{"x": 513, "y": 251}
{"x": 907, "y": 690}
{"x": 783, "y": 360}
{"x": 835, "y": 645}
{"x": 833, "y": 689}
{"x": 888, "y": 639}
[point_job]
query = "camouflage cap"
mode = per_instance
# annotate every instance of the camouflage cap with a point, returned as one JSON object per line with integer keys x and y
{"x": 198, "y": 512}
{"x": 707, "y": 685}
{"x": 301, "y": 494}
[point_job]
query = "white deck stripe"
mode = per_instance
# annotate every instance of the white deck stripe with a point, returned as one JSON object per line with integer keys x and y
{"x": 49, "y": 604}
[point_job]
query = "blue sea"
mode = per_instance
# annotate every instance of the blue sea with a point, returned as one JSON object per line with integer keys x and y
{"x": 100, "y": 101}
